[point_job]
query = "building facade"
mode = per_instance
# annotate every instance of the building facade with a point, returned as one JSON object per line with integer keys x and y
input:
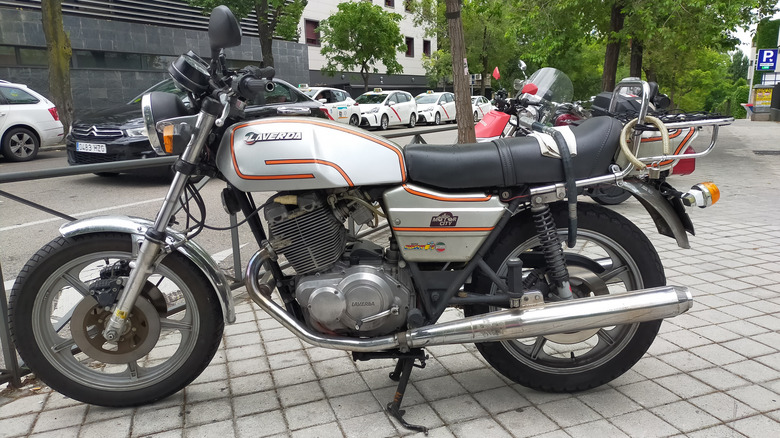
{"x": 413, "y": 77}
{"x": 123, "y": 47}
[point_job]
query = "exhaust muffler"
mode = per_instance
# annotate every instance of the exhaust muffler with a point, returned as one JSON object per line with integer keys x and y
{"x": 523, "y": 322}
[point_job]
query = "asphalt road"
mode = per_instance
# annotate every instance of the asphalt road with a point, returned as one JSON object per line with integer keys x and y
{"x": 24, "y": 229}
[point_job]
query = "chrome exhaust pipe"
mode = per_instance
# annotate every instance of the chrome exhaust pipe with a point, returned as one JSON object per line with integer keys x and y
{"x": 523, "y": 322}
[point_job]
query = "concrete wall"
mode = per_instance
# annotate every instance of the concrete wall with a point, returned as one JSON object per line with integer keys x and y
{"x": 99, "y": 88}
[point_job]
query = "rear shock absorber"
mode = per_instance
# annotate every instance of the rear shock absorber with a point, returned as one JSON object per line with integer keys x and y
{"x": 552, "y": 250}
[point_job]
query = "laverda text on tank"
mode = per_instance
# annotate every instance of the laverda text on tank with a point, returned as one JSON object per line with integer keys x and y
{"x": 121, "y": 311}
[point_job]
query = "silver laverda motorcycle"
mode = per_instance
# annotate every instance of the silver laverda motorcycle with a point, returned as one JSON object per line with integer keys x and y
{"x": 121, "y": 311}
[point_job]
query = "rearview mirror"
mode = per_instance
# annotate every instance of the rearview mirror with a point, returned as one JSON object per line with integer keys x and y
{"x": 224, "y": 30}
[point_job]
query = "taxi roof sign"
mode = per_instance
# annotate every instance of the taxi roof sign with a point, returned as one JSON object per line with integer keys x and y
{"x": 377, "y": 90}
{"x": 303, "y": 85}
{"x": 429, "y": 92}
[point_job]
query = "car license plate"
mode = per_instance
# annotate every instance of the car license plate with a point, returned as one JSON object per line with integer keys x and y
{"x": 95, "y": 148}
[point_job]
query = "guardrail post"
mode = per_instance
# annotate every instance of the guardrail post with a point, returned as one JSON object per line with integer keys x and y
{"x": 12, "y": 372}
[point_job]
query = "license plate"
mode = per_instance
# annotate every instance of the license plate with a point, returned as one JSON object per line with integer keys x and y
{"x": 95, "y": 148}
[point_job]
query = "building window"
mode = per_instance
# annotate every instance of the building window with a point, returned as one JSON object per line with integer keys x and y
{"x": 390, "y": 3}
{"x": 427, "y": 48}
{"x": 410, "y": 47}
{"x": 312, "y": 36}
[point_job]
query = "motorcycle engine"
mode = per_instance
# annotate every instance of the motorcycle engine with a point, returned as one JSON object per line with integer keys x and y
{"x": 353, "y": 289}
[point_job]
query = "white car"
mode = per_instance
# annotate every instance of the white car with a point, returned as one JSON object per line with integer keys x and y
{"x": 480, "y": 105}
{"x": 434, "y": 108}
{"x": 27, "y": 122}
{"x": 380, "y": 109}
{"x": 340, "y": 105}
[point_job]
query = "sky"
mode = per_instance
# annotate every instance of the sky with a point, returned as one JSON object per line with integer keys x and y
{"x": 746, "y": 36}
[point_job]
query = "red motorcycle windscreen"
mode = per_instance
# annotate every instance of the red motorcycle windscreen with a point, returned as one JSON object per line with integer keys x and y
{"x": 492, "y": 125}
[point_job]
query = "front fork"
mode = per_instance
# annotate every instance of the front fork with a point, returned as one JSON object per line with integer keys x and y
{"x": 143, "y": 266}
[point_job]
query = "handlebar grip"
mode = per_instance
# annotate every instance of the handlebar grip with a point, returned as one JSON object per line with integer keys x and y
{"x": 249, "y": 86}
{"x": 265, "y": 72}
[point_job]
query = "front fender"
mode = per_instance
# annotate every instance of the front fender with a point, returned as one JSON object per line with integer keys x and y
{"x": 137, "y": 227}
{"x": 667, "y": 220}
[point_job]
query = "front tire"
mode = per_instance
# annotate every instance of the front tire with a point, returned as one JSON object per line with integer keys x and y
{"x": 437, "y": 119}
{"x": 354, "y": 120}
{"x": 611, "y": 256}
{"x": 20, "y": 144}
{"x": 476, "y": 117}
{"x": 174, "y": 329}
{"x": 384, "y": 122}
{"x": 412, "y": 120}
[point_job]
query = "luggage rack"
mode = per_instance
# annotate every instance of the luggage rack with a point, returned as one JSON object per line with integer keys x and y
{"x": 695, "y": 120}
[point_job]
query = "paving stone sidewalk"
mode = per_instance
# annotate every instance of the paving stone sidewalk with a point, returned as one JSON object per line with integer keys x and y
{"x": 712, "y": 372}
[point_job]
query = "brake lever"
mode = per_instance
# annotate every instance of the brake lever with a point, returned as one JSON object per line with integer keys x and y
{"x": 224, "y": 99}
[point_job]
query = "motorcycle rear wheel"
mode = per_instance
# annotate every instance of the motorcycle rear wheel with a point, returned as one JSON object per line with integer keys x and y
{"x": 175, "y": 327}
{"x": 611, "y": 256}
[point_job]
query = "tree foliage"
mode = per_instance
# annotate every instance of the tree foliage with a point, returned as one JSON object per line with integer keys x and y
{"x": 275, "y": 18}
{"x": 361, "y": 36}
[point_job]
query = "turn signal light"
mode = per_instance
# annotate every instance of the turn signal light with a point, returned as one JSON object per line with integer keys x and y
{"x": 701, "y": 195}
{"x": 168, "y": 132}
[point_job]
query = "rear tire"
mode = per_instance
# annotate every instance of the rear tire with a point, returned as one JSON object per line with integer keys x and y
{"x": 20, "y": 144}
{"x": 611, "y": 195}
{"x": 613, "y": 257}
{"x": 176, "y": 324}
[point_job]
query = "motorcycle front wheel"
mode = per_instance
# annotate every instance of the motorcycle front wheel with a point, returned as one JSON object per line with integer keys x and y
{"x": 611, "y": 256}
{"x": 172, "y": 334}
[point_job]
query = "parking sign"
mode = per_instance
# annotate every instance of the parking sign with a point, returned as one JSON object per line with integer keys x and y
{"x": 766, "y": 60}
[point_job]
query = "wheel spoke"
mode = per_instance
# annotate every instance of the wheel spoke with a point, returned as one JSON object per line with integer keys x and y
{"x": 605, "y": 336}
{"x": 537, "y": 348}
{"x": 609, "y": 275}
{"x": 181, "y": 326}
{"x": 132, "y": 369}
{"x": 62, "y": 346}
{"x": 76, "y": 284}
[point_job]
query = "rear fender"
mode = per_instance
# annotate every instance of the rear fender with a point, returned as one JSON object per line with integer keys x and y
{"x": 668, "y": 220}
{"x": 136, "y": 227}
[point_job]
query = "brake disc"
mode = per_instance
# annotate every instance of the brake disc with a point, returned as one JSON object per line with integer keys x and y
{"x": 587, "y": 282}
{"x": 142, "y": 330}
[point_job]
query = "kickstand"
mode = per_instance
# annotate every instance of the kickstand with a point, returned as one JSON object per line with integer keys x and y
{"x": 403, "y": 369}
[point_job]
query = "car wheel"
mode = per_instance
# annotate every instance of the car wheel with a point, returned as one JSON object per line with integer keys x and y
{"x": 476, "y": 117}
{"x": 354, "y": 121}
{"x": 412, "y": 120}
{"x": 20, "y": 144}
{"x": 437, "y": 119}
{"x": 384, "y": 122}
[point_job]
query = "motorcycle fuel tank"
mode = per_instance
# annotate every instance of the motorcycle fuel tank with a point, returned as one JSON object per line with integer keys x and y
{"x": 289, "y": 153}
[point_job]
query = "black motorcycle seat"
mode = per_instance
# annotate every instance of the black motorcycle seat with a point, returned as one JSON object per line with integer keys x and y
{"x": 512, "y": 161}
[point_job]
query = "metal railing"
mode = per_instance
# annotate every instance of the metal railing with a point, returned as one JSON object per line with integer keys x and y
{"x": 14, "y": 371}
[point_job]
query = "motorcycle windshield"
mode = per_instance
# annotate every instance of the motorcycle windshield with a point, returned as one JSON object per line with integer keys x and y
{"x": 553, "y": 85}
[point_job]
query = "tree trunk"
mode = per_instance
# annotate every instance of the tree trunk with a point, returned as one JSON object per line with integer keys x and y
{"x": 650, "y": 73}
{"x": 636, "y": 58}
{"x": 613, "y": 47}
{"x": 484, "y": 59}
{"x": 364, "y": 75}
{"x": 463, "y": 116}
{"x": 59, "y": 53}
{"x": 265, "y": 33}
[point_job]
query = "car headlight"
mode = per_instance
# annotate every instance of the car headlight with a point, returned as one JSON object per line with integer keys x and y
{"x": 136, "y": 132}
{"x": 427, "y": 108}
{"x": 373, "y": 110}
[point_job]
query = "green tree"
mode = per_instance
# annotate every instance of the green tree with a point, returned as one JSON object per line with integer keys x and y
{"x": 489, "y": 40}
{"x": 738, "y": 69}
{"x": 59, "y": 52}
{"x": 275, "y": 18}
{"x": 360, "y": 36}
{"x": 438, "y": 68}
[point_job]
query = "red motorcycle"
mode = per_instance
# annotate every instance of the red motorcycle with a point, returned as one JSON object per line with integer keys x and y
{"x": 546, "y": 97}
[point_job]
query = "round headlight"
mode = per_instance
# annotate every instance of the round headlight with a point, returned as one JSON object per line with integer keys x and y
{"x": 155, "y": 107}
